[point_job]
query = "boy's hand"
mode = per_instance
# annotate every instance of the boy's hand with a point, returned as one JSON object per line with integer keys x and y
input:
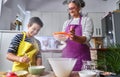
{"x": 24, "y": 59}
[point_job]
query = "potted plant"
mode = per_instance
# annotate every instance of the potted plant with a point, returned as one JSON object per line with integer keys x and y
{"x": 109, "y": 60}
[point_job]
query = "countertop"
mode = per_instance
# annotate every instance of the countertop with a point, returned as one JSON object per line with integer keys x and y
{"x": 54, "y": 51}
{"x": 51, "y": 74}
{"x": 47, "y": 74}
{"x": 99, "y": 49}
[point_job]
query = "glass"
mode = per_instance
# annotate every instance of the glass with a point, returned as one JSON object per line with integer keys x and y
{"x": 72, "y": 8}
{"x": 88, "y": 65}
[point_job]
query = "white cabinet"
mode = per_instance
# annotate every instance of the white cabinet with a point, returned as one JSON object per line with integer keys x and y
{"x": 49, "y": 54}
{"x": 5, "y": 39}
{"x": 45, "y": 62}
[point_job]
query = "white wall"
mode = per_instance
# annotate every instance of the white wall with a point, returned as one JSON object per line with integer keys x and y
{"x": 100, "y": 5}
{"x": 5, "y": 18}
{"x": 53, "y": 21}
{"x": 96, "y": 9}
{"x": 91, "y": 6}
{"x": 9, "y": 12}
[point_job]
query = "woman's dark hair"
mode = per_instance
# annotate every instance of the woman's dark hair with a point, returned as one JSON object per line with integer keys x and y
{"x": 79, "y": 3}
{"x": 36, "y": 20}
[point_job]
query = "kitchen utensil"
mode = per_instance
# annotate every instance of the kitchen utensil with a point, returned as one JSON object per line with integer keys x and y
{"x": 64, "y": 33}
{"x": 61, "y": 36}
{"x": 62, "y": 67}
{"x": 29, "y": 61}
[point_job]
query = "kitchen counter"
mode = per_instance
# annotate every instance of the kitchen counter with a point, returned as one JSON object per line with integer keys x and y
{"x": 51, "y": 74}
{"x": 99, "y": 49}
{"x": 54, "y": 51}
{"x": 46, "y": 74}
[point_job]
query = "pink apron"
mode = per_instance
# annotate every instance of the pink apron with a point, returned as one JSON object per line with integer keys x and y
{"x": 76, "y": 50}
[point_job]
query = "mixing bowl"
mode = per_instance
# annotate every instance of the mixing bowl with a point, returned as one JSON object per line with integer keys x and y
{"x": 36, "y": 70}
{"x": 87, "y": 73}
{"x": 62, "y": 67}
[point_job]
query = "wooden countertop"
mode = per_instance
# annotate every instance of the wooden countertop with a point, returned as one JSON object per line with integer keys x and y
{"x": 99, "y": 49}
{"x": 51, "y": 74}
{"x": 46, "y": 74}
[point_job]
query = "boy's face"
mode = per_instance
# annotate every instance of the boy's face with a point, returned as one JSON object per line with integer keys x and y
{"x": 33, "y": 29}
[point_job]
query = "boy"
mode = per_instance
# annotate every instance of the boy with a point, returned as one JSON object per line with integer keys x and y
{"x": 24, "y": 49}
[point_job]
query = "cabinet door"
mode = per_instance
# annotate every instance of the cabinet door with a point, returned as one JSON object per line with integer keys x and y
{"x": 45, "y": 56}
{"x": 57, "y": 54}
{"x": 5, "y": 64}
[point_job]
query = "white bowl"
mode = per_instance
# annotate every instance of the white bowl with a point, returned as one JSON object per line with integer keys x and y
{"x": 62, "y": 67}
{"x": 36, "y": 70}
{"x": 87, "y": 73}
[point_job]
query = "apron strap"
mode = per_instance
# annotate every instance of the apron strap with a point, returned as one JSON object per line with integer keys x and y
{"x": 24, "y": 35}
{"x": 80, "y": 20}
{"x": 70, "y": 21}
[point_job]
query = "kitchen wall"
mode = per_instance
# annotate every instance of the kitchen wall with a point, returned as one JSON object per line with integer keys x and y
{"x": 91, "y": 5}
{"x": 100, "y": 5}
{"x": 9, "y": 11}
{"x": 53, "y": 21}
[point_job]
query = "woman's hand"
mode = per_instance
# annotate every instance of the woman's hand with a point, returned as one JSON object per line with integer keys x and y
{"x": 72, "y": 34}
{"x": 79, "y": 39}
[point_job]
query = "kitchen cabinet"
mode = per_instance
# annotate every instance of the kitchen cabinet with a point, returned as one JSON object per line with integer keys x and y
{"x": 5, "y": 39}
{"x": 111, "y": 27}
{"x": 49, "y": 54}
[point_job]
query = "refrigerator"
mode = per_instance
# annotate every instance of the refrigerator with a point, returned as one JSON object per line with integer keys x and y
{"x": 111, "y": 28}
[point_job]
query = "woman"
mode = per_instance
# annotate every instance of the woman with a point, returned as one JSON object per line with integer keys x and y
{"x": 81, "y": 30}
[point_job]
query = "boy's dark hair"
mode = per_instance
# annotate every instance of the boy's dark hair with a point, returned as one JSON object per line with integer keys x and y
{"x": 36, "y": 20}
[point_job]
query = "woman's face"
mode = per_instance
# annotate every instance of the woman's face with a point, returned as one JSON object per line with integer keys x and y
{"x": 33, "y": 29}
{"x": 73, "y": 10}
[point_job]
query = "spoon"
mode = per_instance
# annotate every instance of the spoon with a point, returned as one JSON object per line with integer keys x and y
{"x": 29, "y": 61}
